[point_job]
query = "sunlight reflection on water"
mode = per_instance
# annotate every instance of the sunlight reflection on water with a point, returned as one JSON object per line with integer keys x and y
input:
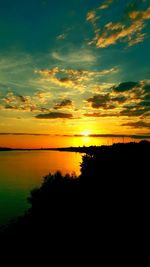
{"x": 21, "y": 171}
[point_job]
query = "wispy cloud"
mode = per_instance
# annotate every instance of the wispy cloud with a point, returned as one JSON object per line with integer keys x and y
{"x": 61, "y": 36}
{"x": 14, "y": 63}
{"x": 75, "y": 56}
{"x": 16, "y": 71}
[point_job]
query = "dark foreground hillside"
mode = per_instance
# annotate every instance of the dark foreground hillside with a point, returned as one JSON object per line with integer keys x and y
{"x": 110, "y": 200}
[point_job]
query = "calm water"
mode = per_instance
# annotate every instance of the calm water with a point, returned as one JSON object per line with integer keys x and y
{"x": 21, "y": 171}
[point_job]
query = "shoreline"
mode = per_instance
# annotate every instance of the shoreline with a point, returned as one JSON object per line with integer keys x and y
{"x": 83, "y": 149}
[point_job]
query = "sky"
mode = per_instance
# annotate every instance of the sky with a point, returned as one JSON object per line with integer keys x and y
{"x": 75, "y": 66}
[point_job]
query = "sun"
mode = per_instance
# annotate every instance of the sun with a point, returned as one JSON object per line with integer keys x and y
{"x": 86, "y": 132}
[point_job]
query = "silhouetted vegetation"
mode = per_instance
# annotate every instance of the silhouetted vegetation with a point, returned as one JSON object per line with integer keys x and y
{"x": 5, "y": 149}
{"x": 112, "y": 188}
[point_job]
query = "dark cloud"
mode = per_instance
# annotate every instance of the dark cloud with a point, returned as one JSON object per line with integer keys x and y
{"x": 22, "y": 98}
{"x": 106, "y": 101}
{"x": 98, "y": 101}
{"x": 101, "y": 101}
{"x": 126, "y": 86}
{"x": 9, "y": 107}
{"x": 22, "y": 108}
{"x": 63, "y": 103}
{"x": 145, "y": 104}
{"x": 147, "y": 88}
{"x": 147, "y": 114}
{"x": 141, "y": 108}
{"x": 146, "y": 100}
{"x": 138, "y": 124}
{"x": 132, "y": 113}
{"x": 54, "y": 115}
{"x": 147, "y": 97}
{"x": 119, "y": 99}
{"x": 64, "y": 79}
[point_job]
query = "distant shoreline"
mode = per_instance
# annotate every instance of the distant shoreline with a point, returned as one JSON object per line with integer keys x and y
{"x": 140, "y": 136}
{"x": 71, "y": 149}
{"x": 83, "y": 149}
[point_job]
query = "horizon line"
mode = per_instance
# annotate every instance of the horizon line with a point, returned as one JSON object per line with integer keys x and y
{"x": 140, "y": 136}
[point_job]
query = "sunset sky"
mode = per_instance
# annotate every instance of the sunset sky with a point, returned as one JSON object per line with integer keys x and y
{"x": 75, "y": 66}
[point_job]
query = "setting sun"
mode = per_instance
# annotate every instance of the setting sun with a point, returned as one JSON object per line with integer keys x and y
{"x": 86, "y": 132}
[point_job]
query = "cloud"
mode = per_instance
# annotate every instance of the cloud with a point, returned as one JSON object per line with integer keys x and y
{"x": 119, "y": 99}
{"x": 35, "y": 102}
{"x": 146, "y": 102}
{"x": 98, "y": 114}
{"x": 61, "y": 36}
{"x": 126, "y": 86}
{"x": 9, "y": 107}
{"x": 14, "y": 63}
{"x": 74, "y": 56}
{"x": 100, "y": 101}
{"x": 136, "y": 112}
{"x": 54, "y": 115}
{"x": 130, "y": 33}
{"x": 127, "y": 30}
{"x": 128, "y": 99}
{"x": 16, "y": 71}
{"x": 91, "y": 15}
{"x": 22, "y": 98}
{"x": 17, "y": 102}
{"x": 106, "y": 101}
{"x": 147, "y": 88}
{"x": 138, "y": 124}
{"x": 73, "y": 73}
{"x": 63, "y": 104}
{"x": 139, "y": 15}
{"x": 71, "y": 78}
{"x": 139, "y": 109}
{"x": 138, "y": 99}
{"x": 106, "y": 4}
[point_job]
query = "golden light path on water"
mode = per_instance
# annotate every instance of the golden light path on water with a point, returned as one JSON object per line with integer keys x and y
{"x": 21, "y": 171}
